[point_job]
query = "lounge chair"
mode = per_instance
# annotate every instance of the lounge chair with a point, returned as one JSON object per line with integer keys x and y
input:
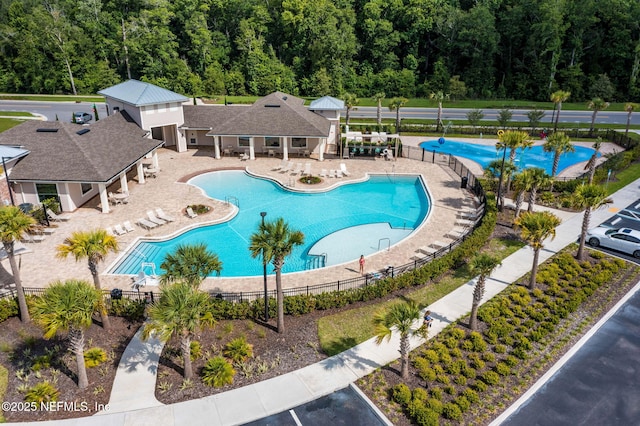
{"x": 332, "y": 173}
{"x": 162, "y": 215}
{"x": 323, "y": 173}
{"x": 128, "y": 227}
{"x": 146, "y": 224}
{"x": 109, "y": 230}
{"x": 191, "y": 213}
{"x": 56, "y": 217}
{"x": 282, "y": 164}
{"x": 288, "y": 167}
{"x": 244, "y": 157}
{"x": 307, "y": 169}
{"x": 142, "y": 279}
{"x": 338, "y": 173}
{"x": 297, "y": 170}
{"x": 152, "y": 217}
{"x": 389, "y": 155}
{"x": 118, "y": 230}
{"x": 271, "y": 153}
{"x": 32, "y": 238}
{"x": 343, "y": 168}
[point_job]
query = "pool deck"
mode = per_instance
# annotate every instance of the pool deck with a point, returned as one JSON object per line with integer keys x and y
{"x": 168, "y": 191}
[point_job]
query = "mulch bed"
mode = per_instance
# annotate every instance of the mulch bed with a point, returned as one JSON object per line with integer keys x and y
{"x": 22, "y": 345}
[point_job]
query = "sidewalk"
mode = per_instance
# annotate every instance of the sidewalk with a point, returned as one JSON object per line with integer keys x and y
{"x": 133, "y": 387}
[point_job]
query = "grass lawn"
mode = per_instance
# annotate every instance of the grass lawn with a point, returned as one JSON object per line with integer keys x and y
{"x": 7, "y": 123}
{"x": 625, "y": 177}
{"x": 15, "y": 114}
{"x": 344, "y": 330}
{"x": 50, "y": 98}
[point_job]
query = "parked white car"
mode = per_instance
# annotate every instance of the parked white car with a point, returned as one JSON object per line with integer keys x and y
{"x": 624, "y": 239}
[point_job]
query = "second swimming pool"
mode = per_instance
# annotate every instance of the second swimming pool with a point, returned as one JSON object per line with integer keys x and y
{"x": 525, "y": 158}
{"x": 339, "y": 225}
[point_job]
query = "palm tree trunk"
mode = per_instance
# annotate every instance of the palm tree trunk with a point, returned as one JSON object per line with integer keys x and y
{"x": 404, "y": 356}
{"x": 532, "y": 198}
{"x": 593, "y": 121}
{"x": 583, "y": 234}
{"x": 439, "y": 123}
{"x": 76, "y": 341}
{"x": 556, "y": 162}
{"x": 279, "y": 296}
{"x": 626, "y": 130}
{"x": 22, "y": 300}
{"x": 398, "y": 120}
{"x": 104, "y": 316}
{"x": 379, "y": 113}
{"x": 534, "y": 269}
{"x": 478, "y": 292}
{"x": 185, "y": 347}
{"x": 519, "y": 201}
{"x": 555, "y": 126}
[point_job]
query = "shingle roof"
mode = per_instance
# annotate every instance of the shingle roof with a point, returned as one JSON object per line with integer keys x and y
{"x": 110, "y": 146}
{"x": 205, "y": 116}
{"x": 326, "y": 103}
{"x": 139, "y": 93}
{"x": 277, "y": 114}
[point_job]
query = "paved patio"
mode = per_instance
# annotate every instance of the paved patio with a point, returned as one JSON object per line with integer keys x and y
{"x": 170, "y": 192}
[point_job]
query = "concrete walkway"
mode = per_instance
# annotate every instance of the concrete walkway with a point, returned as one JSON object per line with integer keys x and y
{"x": 133, "y": 387}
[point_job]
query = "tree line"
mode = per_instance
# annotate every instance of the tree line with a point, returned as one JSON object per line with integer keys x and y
{"x": 519, "y": 49}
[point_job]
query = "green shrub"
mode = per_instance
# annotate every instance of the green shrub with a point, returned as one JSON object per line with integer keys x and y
{"x": 43, "y": 362}
{"x": 431, "y": 355}
{"x": 500, "y": 349}
{"x": 455, "y": 353}
{"x": 468, "y": 372}
{"x": 129, "y": 309}
{"x": 434, "y": 404}
{"x": 419, "y": 394}
{"x": 422, "y": 415}
{"x": 471, "y": 395}
{"x": 436, "y": 392}
{"x": 511, "y": 361}
{"x": 463, "y": 403}
{"x": 460, "y": 380}
{"x": 502, "y": 369}
{"x": 217, "y": 372}
{"x": 94, "y": 357}
{"x": 450, "y": 389}
{"x": 401, "y": 394}
{"x": 488, "y": 357}
{"x": 455, "y": 367}
{"x": 458, "y": 333}
{"x": 427, "y": 374}
{"x": 238, "y": 350}
{"x": 520, "y": 353}
{"x": 451, "y": 411}
{"x": 195, "y": 350}
{"x": 42, "y": 392}
{"x": 467, "y": 345}
{"x": 8, "y": 308}
{"x": 480, "y": 386}
{"x": 451, "y": 342}
{"x": 442, "y": 378}
{"x": 490, "y": 378}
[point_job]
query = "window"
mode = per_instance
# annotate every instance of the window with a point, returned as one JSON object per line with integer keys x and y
{"x": 272, "y": 142}
{"x": 86, "y": 187}
{"x": 243, "y": 141}
{"x": 192, "y": 141}
{"x": 47, "y": 191}
{"x": 299, "y": 142}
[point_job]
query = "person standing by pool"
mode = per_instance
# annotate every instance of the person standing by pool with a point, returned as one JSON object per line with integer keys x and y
{"x": 361, "y": 262}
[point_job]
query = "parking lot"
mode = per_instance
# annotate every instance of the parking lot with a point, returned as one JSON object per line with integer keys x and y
{"x": 629, "y": 217}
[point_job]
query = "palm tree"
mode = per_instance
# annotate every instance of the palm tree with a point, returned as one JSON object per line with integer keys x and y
{"x": 350, "y": 102}
{"x": 182, "y": 310}
{"x": 93, "y": 246}
{"x": 378, "y": 97}
{"x": 402, "y": 317}
{"x": 591, "y": 164}
{"x": 559, "y": 143}
{"x": 394, "y": 105}
{"x": 69, "y": 307}
{"x": 13, "y": 224}
{"x": 496, "y": 170}
{"x": 275, "y": 241}
{"x": 629, "y": 107}
{"x": 588, "y": 197}
{"x": 522, "y": 182}
{"x": 540, "y": 179}
{"x": 558, "y": 98}
{"x": 535, "y": 227}
{"x": 439, "y": 97}
{"x": 513, "y": 139}
{"x": 191, "y": 263}
{"x": 482, "y": 265}
{"x": 596, "y": 104}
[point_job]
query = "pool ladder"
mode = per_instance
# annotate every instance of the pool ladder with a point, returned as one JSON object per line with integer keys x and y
{"x": 317, "y": 261}
{"x": 231, "y": 199}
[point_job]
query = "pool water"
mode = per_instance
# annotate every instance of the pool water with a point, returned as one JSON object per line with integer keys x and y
{"x": 339, "y": 225}
{"x": 525, "y": 158}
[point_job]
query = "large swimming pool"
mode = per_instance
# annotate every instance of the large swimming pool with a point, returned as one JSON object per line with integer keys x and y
{"x": 339, "y": 225}
{"x": 531, "y": 157}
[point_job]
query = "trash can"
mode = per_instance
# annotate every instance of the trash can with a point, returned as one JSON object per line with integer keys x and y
{"x": 464, "y": 182}
{"x": 116, "y": 294}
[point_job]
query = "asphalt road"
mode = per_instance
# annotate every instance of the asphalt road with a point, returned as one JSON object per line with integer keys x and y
{"x": 65, "y": 109}
{"x": 598, "y": 385}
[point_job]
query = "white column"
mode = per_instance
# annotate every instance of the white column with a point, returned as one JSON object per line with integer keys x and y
{"x": 323, "y": 143}
{"x": 216, "y": 147}
{"x": 252, "y": 150}
{"x": 124, "y": 185}
{"x": 181, "y": 139}
{"x": 104, "y": 199}
{"x": 285, "y": 148}
{"x": 154, "y": 160}
{"x": 140, "y": 173}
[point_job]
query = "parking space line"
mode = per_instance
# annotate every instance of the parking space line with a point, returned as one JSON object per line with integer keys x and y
{"x": 295, "y": 418}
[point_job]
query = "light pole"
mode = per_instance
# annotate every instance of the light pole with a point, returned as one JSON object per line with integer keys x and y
{"x": 504, "y": 154}
{"x": 264, "y": 274}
